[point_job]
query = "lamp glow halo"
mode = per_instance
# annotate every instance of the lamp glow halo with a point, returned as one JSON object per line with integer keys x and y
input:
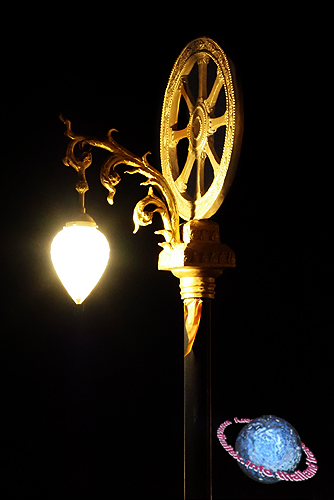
{"x": 210, "y": 171}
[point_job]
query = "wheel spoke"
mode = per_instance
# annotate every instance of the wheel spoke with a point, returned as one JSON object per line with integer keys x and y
{"x": 182, "y": 181}
{"x": 200, "y": 175}
{"x": 179, "y": 134}
{"x": 217, "y": 122}
{"x": 214, "y": 160}
{"x": 216, "y": 88}
{"x": 186, "y": 92}
{"x": 202, "y": 77}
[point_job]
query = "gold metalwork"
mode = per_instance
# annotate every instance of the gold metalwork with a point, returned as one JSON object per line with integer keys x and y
{"x": 200, "y": 130}
{"x": 79, "y": 164}
{"x": 110, "y": 178}
{"x": 198, "y": 260}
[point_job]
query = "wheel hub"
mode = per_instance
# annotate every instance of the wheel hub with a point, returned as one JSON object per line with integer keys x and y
{"x": 198, "y": 128}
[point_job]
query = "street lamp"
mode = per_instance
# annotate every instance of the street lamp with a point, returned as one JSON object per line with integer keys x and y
{"x": 80, "y": 252}
{"x": 202, "y": 87}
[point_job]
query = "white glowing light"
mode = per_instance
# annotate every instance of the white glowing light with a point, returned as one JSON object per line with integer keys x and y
{"x": 80, "y": 253}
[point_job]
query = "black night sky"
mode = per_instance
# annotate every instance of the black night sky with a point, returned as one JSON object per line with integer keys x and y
{"x": 92, "y": 396}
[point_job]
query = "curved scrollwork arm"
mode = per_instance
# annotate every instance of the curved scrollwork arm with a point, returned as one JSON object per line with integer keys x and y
{"x": 142, "y": 217}
{"x": 167, "y": 208}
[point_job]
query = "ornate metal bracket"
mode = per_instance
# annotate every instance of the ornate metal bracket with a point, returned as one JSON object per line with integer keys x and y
{"x": 167, "y": 207}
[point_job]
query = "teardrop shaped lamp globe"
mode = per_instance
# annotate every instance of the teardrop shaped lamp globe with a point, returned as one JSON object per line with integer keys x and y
{"x": 80, "y": 253}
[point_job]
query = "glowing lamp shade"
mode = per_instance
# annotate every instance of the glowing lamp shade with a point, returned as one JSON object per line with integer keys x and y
{"x": 79, "y": 253}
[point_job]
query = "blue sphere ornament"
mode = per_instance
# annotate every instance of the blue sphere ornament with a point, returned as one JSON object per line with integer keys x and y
{"x": 270, "y": 442}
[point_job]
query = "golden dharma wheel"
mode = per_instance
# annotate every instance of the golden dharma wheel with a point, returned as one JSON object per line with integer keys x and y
{"x": 201, "y": 129}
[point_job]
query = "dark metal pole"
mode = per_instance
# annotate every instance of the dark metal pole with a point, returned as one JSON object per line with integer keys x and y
{"x": 197, "y": 412}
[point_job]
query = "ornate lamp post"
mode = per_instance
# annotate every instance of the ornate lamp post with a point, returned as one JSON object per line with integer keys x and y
{"x": 203, "y": 87}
